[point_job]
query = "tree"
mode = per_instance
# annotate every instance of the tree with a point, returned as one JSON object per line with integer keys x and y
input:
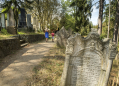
{"x": 45, "y": 9}
{"x": 16, "y": 4}
{"x": 83, "y": 9}
{"x": 109, "y": 20}
{"x": 115, "y": 34}
{"x": 101, "y": 5}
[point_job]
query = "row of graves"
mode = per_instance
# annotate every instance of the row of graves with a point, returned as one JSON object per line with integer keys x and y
{"x": 88, "y": 60}
{"x": 25, "y": 21}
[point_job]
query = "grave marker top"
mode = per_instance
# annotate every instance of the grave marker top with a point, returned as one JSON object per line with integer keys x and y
{"x": 88, "y": 60}
{"x": 62, "y": 36}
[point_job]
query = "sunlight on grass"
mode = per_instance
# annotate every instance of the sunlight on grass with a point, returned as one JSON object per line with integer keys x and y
{"x": 49, "y": 71}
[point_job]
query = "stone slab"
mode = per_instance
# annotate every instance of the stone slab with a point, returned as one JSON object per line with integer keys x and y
{"x": 88, "y": 60}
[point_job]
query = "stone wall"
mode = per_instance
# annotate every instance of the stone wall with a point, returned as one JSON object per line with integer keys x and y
{"x": 7, "y": 45}
{"x": 32, "y": 38}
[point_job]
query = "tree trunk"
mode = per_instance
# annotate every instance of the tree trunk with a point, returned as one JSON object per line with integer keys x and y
{"x": 115, "y": 34}
{"x": 100, "y": 17}
{"x": 109, "y": 20}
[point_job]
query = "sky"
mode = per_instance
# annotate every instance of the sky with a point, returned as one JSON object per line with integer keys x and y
{"x": 95, "y": 13}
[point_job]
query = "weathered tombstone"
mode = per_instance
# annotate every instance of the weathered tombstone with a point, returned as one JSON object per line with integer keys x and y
{"x": 37, "y": 21}
{"x": 70, "y": 31}
{"x": 39, "y": 27}
{"x": 22, "y": 18}
{"x": 3, "y": 20}
{"x": 29, "y": 25}
{"x": 62, "y": 35}
{"x": 88, "y": 60}
{"x": 10, "y": 18}
{"x": 34, "y": 23}
{"x": 11, "y": 22}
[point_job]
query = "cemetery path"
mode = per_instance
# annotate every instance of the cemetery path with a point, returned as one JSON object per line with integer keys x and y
{"x": 17, "y": 67}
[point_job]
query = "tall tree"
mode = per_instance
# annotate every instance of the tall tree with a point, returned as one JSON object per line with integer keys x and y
{"x": 109, "y": 20}
{"x": 116, "y": 26}
{"x": 83, "y": 12}
{"x": 44, "y": 9}
{"x": 101, "y": 5}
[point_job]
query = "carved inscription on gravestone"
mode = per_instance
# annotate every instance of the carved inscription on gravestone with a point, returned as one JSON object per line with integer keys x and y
{"x": 88, "y": 61}
{"x": 85, "y": 69}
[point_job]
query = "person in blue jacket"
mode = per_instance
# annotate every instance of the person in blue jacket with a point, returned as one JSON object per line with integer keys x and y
{"x": 46, "y": 34}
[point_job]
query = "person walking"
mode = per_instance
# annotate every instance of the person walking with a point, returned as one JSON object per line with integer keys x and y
{"x": 46, "y": 34}
{"x": 53, "y": 34}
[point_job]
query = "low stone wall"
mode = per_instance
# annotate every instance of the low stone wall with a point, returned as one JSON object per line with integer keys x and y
{"x": 7, "y": 45}
{"x": 32, "y": 38}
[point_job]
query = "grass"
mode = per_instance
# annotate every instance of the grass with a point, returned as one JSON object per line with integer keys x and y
{"x": 49, "y": 71}
{"x": 3, "y": 36}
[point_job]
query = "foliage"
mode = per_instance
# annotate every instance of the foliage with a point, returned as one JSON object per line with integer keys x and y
{"x": 45, "y": 11}
{"x": 4, "y": 31}
{"x": 16, "y": 7}
{"x": 83, "y": 9}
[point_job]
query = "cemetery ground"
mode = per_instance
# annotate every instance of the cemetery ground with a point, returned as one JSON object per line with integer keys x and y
{"x": 18, "y": 68}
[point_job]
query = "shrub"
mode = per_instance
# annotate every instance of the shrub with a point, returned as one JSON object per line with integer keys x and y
{"x": 4, "y": 31}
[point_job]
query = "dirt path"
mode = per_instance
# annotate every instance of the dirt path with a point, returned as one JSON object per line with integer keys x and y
{"x": 20, "y": 65}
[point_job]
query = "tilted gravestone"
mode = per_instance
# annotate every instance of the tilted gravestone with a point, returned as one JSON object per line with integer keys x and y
{"x": 88, "y": 60}
{"x": 62, "y": 35}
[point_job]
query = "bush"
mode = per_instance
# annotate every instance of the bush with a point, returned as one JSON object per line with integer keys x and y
{"x": 4, "y": 31}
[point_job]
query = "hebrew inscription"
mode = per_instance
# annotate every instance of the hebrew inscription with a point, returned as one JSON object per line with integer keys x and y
{"x": 86, "y": 69}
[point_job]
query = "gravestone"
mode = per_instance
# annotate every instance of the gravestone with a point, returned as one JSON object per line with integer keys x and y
{"x": 10, "y": 18}
{"x": 88, "y": 60}
{"x": 3, "y": 20}
{"x": 62, "y": 35}
{"x": 34, "y": 23}
{"x": 37, "y": 21}
{"x": 29, "y": 25}
{"x": 70, "y": 31}
{"x": 22, "y": 18}
{"x": 10, "y": 22}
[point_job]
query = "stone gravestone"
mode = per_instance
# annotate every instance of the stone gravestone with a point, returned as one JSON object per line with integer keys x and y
{"x": 70, "y": 31}
{"x": 22, "y": 18}
{"x": 37, "y": 21}
{"x": 11, "y": 22}
{"x": 10, "y": 18}
{"x": 34, "y": 23}
{"x": 88, "y": 60}
{"x": 62, "y": 35}
{"x": 29, "y": 25}
{"x": 3, "y": 20}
